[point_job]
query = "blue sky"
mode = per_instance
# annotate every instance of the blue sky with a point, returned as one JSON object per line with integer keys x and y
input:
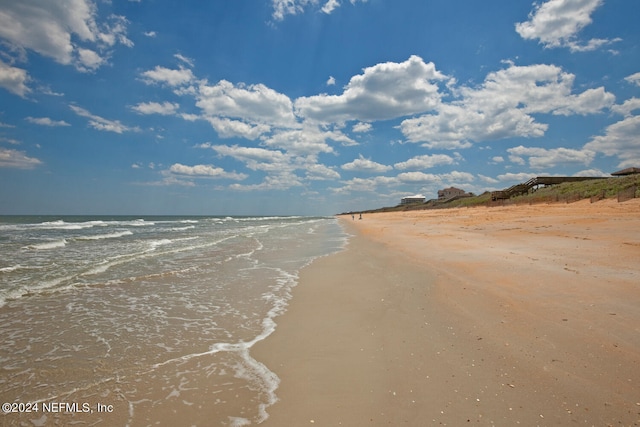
{"x": 306, "y": 107}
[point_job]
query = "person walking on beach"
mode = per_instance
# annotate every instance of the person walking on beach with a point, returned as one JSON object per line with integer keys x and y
{"x": 360, "y": 216}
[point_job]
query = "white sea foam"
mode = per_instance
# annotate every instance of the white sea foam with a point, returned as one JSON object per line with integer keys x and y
{"x": 138, "y": 223}
{"x": 8, "y": 295}
{"x": 32, "y": 288}
{"x": 10, "y": 269}
{"x": 268, "y": 218}
{"x": 261, "y": 377}
{"x": 48, "y": 245}
{"x": 151, "y": 250}
{"x": 106, "y": 236}
{"x": 153, "y": 245}
{"x": 98, "y": 269}
{"x": 238, "y": 422}
{"x": 62, "y": 225}
{"x": 188, "y": 227}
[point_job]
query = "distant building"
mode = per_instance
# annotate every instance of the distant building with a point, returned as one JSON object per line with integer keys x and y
{"x": 418, "y": 198}
{"x": 627, "y": 171}
{"x": 450, "y": 192}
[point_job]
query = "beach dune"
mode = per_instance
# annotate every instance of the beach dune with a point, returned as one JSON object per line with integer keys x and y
{"x": 513, "y": 315}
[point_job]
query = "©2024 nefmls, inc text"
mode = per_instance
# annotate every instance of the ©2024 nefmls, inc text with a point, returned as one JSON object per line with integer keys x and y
{"x": 56, "y": 407}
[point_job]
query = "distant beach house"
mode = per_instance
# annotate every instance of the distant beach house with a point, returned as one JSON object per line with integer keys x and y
{"x": 627, "y": 171}
{"x": 418, "y": 198}
{"x": 450, "y": 192}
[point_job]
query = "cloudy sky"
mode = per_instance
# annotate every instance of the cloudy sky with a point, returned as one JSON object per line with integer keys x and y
{"x": 306, "y": 106}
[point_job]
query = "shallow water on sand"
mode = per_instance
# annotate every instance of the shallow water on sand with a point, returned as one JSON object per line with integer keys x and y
{"x": 140, "y": 321}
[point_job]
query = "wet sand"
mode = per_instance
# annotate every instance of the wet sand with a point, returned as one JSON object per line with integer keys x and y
{"x": 514, "y": 315}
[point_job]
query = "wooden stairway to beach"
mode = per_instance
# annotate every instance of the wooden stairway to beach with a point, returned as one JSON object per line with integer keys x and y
{"x": 523, "y": 188}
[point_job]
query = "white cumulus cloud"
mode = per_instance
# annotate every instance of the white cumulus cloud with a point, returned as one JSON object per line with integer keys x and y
{"x": 189, "y": 61}
{"x": 503, "y": 107}
{"x": 320, "y": 172}
{"x": 556, "y": 23}
{"x": 255, "y": 158}
{"x": 330, "y": 6}
{"x": 168, "y": 76}
{"x": 100, "y": 123}
{"x": 282, "y": 8}
{"x": 300, "y": 142}
{"x": 17, "y": 159}
{"x": 205, "y": 171}
{"x": 627, "y": 107}
{"x": 542, "y": 158}
{"x": 68, "y": 31}
{"x": 14, "y": 79}
{"x": 228, "y": 128}
{"x": 633, "y": 79}
{"x": 365, "y": 165}
{"x": 362, "y": 127}
{"x": 426, "y": 161}
{"x": 165, "y": 108}
{"x": 46, "y": 121}
{"x": 621, "y": 140}
{"x": 515, "y": 177}
{"x": 256, "y": 104}
{"x": 383, "y": 91}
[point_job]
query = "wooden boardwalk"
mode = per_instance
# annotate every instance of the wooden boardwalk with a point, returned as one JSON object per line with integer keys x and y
{"x": 523, "y": 188}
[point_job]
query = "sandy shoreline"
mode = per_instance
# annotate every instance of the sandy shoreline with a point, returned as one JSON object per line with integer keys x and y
{"x": 522, "y": 314}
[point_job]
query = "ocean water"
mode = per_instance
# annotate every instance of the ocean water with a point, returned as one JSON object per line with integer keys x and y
{"x": 138, "y": 321}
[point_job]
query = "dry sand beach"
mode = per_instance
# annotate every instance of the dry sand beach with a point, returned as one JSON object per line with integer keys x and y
{"x": 513, "y": 315}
